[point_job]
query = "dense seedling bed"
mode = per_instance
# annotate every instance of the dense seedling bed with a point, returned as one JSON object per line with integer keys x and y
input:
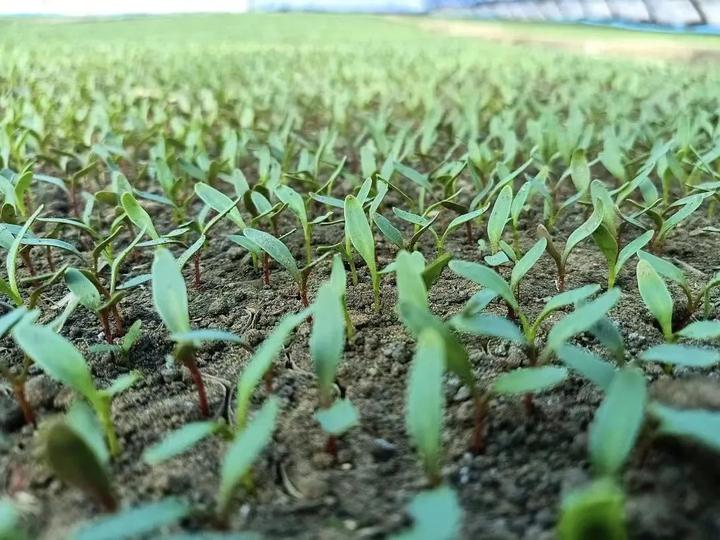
{"x": 323, "y": 277}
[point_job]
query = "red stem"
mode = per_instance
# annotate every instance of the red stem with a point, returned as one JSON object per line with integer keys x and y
{"x": 529, "y": 405}
{"x": 266, "y": 269}
{"x": 106, "y": 327}
{"x": 19, "y": 390}
{"x": 48, "y": 256}
{"x": 468, "y": 230}
{"x": 331, "y": 447}
{"x": 28, "y": 262}
{"x": 197, "y": 379}
{"x": 119, "y": 326}
{"x": 478, "y": 440}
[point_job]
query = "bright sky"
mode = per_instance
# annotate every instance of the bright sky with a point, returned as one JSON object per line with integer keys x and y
{"x": 113, "y": 7}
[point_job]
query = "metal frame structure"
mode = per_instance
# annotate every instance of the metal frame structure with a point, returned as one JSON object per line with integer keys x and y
{"x": 581, "y": 10}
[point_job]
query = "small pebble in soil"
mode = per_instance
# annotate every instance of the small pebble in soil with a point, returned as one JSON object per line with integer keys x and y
{"x": 383, "y": 450}
{"x": 41, "y": 391}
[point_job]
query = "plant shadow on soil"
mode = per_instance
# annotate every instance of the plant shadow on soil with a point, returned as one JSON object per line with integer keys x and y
{"x": 513, "y": 490}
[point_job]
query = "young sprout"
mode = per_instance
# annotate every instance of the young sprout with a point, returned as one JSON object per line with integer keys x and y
{"x": 698, "y": 425}
{"x": 499, "y": 217}
{"x": 616, "y": 258}
{"x": 243, "y": 451}
{"x": 57, "y": 357}
{"x": 593, "y": 511}
{"x": 88, "y": 295}
{"x": 425, "y": 402}
{"x": 437, "y": 515}
{"x": 578, "y": 235}
{"x": 359, "y": 235}
{"x": 336, "y": 420}
{"x": 126, "y": 343}
{"x": 296, "y": 204}
{"x": 17, "y": 377}
{"x": 656, "y": 296}
{"x": 76, "y": 453}
{"x": 171, "y": 303}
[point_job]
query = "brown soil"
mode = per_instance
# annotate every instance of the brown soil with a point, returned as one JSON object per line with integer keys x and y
{"x": 511, "y": 491}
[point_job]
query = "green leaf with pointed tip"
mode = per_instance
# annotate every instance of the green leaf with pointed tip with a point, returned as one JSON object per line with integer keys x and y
{"x": 425, "y": 400}
{"x": 617, "y": 421}
{"x": 137, "y": 214}
{"x": 389, "y": 230}
{"x": 689, "y": 206}
{"x": 582, "y": 319}
{"x": 294, "y": 202}
{"x": 276, "y": 249}
{"x": 219, "y": 202}
{"x": 408, "y": 277}
{"x": 83, "y": 288}
{"x": 84, "y": 422}
{"x": 122, "y": 383}
{"x": 245, "y": 243}
{"x": 583, "y": 231}
{"x": 529, "y": 380}
{"x": 483, "y": 324}
{"x": 415, "y": 219}
{"x": 573, "y": 296}
{"x": 245, "y": 449}
{"x": 327, "y": 338}
{"x": 487, "y": 277}
{"x": 204, "y": 335}
{"x": 133, "y": 522}
{"x": 56, "y": 356}
{"x": 695, "y": 424}
{"x": 631, "y": 249}
{"x": 527, "y": 261}
{"x": 10, "y": 319}
{"x": 358, "y": 231}
{"x": 664, "y": 268}
{"x": 595, "y": 511}
{"x": 432, "y": 271}
{"x": 592, "y": 367}
{"x": 607, "y": 244}
{"x": 12, "y": 255}
{"x": 498, "y": 217}
{"x": 436, "y": 514}
{"x": 462, "y": 219}
{"x": 118, "y": 261}
{"x": 579, "y": 170}
{"x": 656, "y": 296}
{"x": 75, "y": 462}
{"x": 702, "y": 330}
{"x": 169, "y": 292}
{"x": 478, "y": 302}
{"x": 260, "y": 362}
{"x": 413, "y": 175}
{"x": 681, "y": 355}
{"x": 179, "y": 441}
{"x": 340, "y": 417}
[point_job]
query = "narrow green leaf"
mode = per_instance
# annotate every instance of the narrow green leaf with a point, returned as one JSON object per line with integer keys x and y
{"x": 595, "y": 511}
{"x": 137, "y": 214}
{"x": 483, "y": 324}
{"x": 487, "y": 277}
{"x": 592, "y": 367}
{"x": 529, "y": 380}
{"x": 583, "y": 231}
{"x": 327, "y": 338}
{"x": 695, "y": 424}
{"x": 358, "y": 231}
{"x": 702, "y": 330}
{"x": 656, "y": 296}
{"x": 579, "y": 170}
{"x": 204, "y": 335}
{"x": 276, "y": 249}
{"x": 338, "y": 418}
{"x": 133, "y": 522}
{"x": 499, "y": 216}
{"x": 169, "y": 292}
{"x": 436, "y": 514}
{"x": 219, "y": 202}
{"x": 681, "y": 355}
{"x": 178, "y": 442}
{"x": 83, "y": 288}
{"x": 528, "y": 260}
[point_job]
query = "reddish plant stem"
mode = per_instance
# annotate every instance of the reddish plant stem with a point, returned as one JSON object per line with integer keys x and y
{"x": 48, "y": 256}
{"x": 107, "y": 500}
{"x": 478, "y": 439}
{"x": 266, "y": 269}
{"x": 25, "y": 256}
{"x": 469, "y": 232}
{"x": 529, "y": 404}
{"x": 19, "y": 390}
{"x": 304, "y": 296}
{"x": 196, "y": 261}
{"x": 119, "y": 325}
{"x": 73, "y": 199}
{"x": 197, "y": 379}
{"x": 331, "y": 447}
{"x": 106, "y": 326}
{"x": 268, "y": 379}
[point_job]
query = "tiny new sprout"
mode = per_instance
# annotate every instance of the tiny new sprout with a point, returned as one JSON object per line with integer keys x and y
{"x": 89, "y": 296}
{"x": 57, "y": 357}
{"x": 359, "y": 235}
{"x": 126, "y": 343}
{"x": 437, "y": 515}
{"x": 280, "y": 253}
{"x": 593, "y": 511}
{"x": 17, "y": 377}
{"x": 171, "y": 303}
{"x": 76, "y": 453}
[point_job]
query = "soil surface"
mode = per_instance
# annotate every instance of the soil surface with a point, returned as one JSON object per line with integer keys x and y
{"x": 511, "y": 491}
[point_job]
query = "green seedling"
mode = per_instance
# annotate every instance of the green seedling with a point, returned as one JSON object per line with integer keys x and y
{"x": 338, "y": 279}
{"x": 359, "y": 235}
{"x": 697, "y": 425}
{"x": 243, "y": 451}
{"x": 89, "y": 296}
{"x": 296, "y": 204}
{"x": 437, "y": 515}
{"x": 616, "y": 258}
{"x": 578, "y": 235}
{"x": 687, "y": 356}
{"x": 498, "y": 218}
{"x": 472, "y": 320}
{"x": 76, "y": 453}
{"x": 10, "y": 287}
{"x": 133, "y": 522}
{"x": 336, "y": 420}
{"x": 528, "y": 381}
{"x": 593, "y": 511}
{"x": 121, "y": 349}
{"x": 171, "y": 303}
{"x": 425, "y": 402}
{"x": 57, "y": 357}
{"x": 280, "y": 253}
{"x": 17, "y": 376}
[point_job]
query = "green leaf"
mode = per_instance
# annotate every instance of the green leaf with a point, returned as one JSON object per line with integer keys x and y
{"x": 260, "y": 362}
{"x": 656, "y": 296}
{"x": 595, "y": 511}
{"x": 56, "y": 356}
{"x": 122, "y": 383}
{"x": 358, "y": 231}
{"x": 482, "y": 324}
{"x": 133, "y": 522}
{"x": 582, "y": 319}
{"x": 204, "y": 335}
{"x": 137, "y": 214}
{"x": 408, "y": 277}
{"x": 498, "y": 217}
{"x": 529, "y": 380}
{"x": 528, "y": 260}
{"x": 462, "y": 219}
{"x": 169, "y": 292}
{"x": 10, "y": 319}
{"x": 681, "y": 355}
{"x": 425, "y": 400}
{"x": 579, "y": 170}
{"x": 414, "y": 176}
{"x": 631, "y": 249}
{"x": 437, "y": 515}
{"x": 245, "y": 243}
{"x": 487, "y": 277}
{"x": 695, "y": 424}
{"x": 83, "y": 288}
{"x": 339, "y": 418}
{"x": 592, "y": 367}
{"x": 573, "y": 296}
{"x": 276, "y": 249}
{"x": 702, "y": 330}
{"x": 583, "y": 231}
{"x": 10, "y": 522}
{"x": 664, "y": 268}
{"x": 617, "y": 421}
{"x": 245, "y": 449}
{"x": 389, "y": 230}
{"x": 12, "y": 255}
{"x": 178, "y": 442}
{"x": 84, "y": 423}
{"x": 294, "y": 202}
{"x": 219, "y": 202}
{"x": 327, "y": 338}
